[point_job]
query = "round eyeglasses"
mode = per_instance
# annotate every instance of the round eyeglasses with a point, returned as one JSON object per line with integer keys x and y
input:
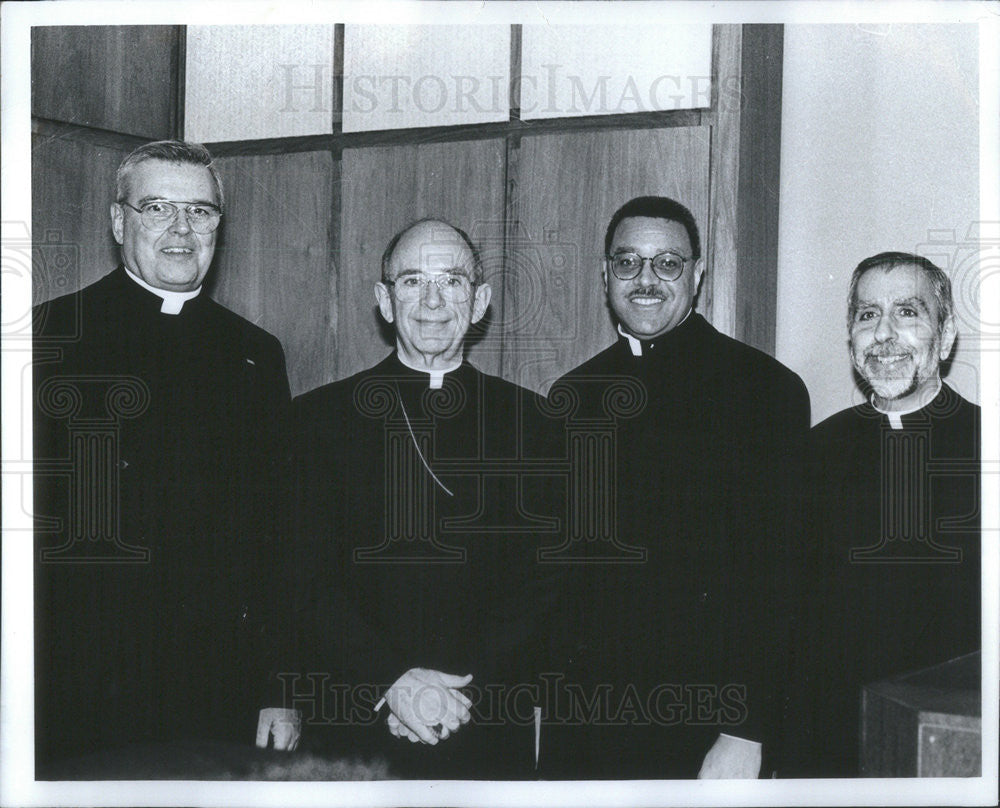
{"x": 452, "y": 286}
{"x": 159, "y": 214}
{"x": 668, "y": 266}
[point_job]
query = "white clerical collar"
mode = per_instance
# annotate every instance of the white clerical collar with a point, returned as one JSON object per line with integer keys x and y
{"x": 633, "y": 343}
{"x": 896, "y": 416}
{"x": 173, "y": 302}
{"x": 436, "y": 375}
{"x": 636, "y": 344}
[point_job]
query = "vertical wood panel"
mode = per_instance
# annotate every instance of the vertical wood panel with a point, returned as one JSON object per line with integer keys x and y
{"x": 386, "y": 188}
{"x": 72, "y": 188}
{"x": 721, "y": 246}
{"x": 741, "y": 288}
{"x": 760, "y": 163}
{"x": 178, "y": 88}
{"x": 570, "y": 186}
{"x": 273, "y": 263}
{"x": 121, "y": 78}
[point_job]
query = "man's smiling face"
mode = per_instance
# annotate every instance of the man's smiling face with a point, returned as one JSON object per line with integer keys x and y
{"x": 176, "y": 258}
{"x": 897, "y": 340}
{"x": 646, "y": 305}
{"x": 431, "y": 321}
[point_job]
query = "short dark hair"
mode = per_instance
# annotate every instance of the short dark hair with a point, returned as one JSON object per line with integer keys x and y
{"x": 170, "y": 151}
{"x": 477, "y": 267}
{"x": 889, "y": 261}
{"x": 655, "y": 207}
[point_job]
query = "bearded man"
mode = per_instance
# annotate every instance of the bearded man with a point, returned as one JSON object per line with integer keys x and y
{"x": 894, "y": 583}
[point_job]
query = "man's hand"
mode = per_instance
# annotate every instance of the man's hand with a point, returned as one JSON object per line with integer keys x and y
{"x": 427, "y": 705}
{"x": 285, "y": 726}
{"x": 399, "y": 730}
{"x": 731, "y": 759}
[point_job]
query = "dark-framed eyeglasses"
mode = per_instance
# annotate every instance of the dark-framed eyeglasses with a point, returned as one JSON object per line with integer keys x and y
{"x": 667, "y": 265}
{"x": 454, "y": 287}
{"x": 159, "y": 214}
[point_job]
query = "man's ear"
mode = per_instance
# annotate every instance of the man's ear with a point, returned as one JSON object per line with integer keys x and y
{"x": 384, "y": 299}
{"x": 947, "y": 341}
{"x": 699, "y": 271}
{"x": 604, "y": 274}
{"x": 481, "y": 302}
{"x": 117, "y": 221}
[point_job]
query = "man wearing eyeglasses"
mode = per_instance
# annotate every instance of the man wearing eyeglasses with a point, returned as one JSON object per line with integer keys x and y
{"x": 156, "y": 424}
{"x": 702, "y": 480}
{"x": 416, "y": 537}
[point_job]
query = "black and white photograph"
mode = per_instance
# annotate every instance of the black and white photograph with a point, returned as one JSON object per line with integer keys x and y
{"x": 509, "y": 403}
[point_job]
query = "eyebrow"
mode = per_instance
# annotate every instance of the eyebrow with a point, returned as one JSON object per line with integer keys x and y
{"x": 913, "y": 302}
{"x": 160, "y": 198}
{"x": 453, "y": 271}
{"x": 630, "y": 249}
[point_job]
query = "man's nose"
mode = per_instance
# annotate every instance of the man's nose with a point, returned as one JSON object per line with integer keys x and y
{"x": 646, "y": 276}
{"x": 180, "y": 223}
{"x": 884, "y": 329}
{"x": 432, "y": 294}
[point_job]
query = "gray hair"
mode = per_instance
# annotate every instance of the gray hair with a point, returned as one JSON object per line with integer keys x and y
{"x": 170, "y": 151}
{"x": 888, "y": 261}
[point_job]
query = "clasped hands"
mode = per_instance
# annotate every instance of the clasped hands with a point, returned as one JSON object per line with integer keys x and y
{"x": 427, "y": 706}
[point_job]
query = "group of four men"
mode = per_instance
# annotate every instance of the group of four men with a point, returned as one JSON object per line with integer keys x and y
{"x": 596, "y": 584}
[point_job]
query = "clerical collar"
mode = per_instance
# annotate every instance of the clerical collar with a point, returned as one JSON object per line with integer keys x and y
{"x": 436, "y": 376}
{"x": 636, "y": 344}
{"x": 173, "y": 302}
{"x": 896, "y": 416}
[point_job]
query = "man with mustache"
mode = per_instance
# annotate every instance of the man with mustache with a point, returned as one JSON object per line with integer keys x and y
{"x": 894, "y": 584}
{"x": 157, "y": 413}
{"x": 702, "y": 475}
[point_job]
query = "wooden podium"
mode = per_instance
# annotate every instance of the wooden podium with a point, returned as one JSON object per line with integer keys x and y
{"x": 926, "y": 723}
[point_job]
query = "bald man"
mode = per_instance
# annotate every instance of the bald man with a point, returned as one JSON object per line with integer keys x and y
{"x": 421, "y": 574}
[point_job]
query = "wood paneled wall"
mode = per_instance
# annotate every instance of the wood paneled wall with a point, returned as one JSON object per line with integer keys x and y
{"x": 118, "y": 78}
{"x": 274, "y": 263}
{"x": 385, "y": 188}
{"x": 569, "y": 187}
{"x": 73, "y": 186}
{"x": 307, "y": 218}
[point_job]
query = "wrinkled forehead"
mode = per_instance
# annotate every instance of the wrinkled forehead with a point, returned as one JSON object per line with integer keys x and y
{"x": 894, "y": 284}
{"x": 431, "y": 249}
{"x": 160, "y": 179}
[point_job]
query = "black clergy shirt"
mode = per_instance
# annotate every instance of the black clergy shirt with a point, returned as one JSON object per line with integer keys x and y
{"x": 892, "y": 582}
{"x": 156, "y": 480}
{"x": 396, "y": 572}
{"x": 703, "y": 436}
